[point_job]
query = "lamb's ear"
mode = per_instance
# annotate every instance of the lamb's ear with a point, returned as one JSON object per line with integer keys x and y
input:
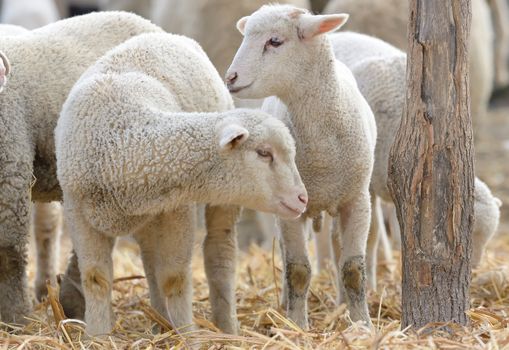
{"x": 241, "y": 24}
{"x": 232, "y": 135}
{"x": 6, "y": 63}
{"x": 313, "y": 25}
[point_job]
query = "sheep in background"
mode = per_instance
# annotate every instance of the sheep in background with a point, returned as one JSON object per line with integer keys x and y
{"x": 135, "y": 150}
{"x": 388, "y": 21}
{"x": 29, "y": 14}
{"x": 29, "y": 114}
{"x": 284, "y": 53}
{"x": 500, "y": 16}
{"x": 380, "y": 71}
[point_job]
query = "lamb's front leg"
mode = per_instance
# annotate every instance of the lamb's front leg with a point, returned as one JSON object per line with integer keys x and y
{"x": 167, "y": 248}
{"x": 93, "y": 250}
{"x": 374, "y": 235}
{"x": 354, "y": 225}
{"x": 297, "y": 270}
{"x": 220, "y": 253}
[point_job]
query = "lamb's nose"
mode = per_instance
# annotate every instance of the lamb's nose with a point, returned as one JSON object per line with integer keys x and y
{"x": 230, "y": 79}
{"x": 303, "y": 198}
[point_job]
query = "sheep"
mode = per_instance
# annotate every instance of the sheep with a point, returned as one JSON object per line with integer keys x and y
{"x": 380, "y": 71}
{"x": 486, "y": 220}
{"x": 500, "y": 15}
{"x": 388, "y": 20}
{"x": 285, "y": 54}
{"x": 29, "y": 14}
{"x": 209, "y": 22}
{"x": 47, "y": 218}
{"x": 146, "y": 132}
{"x": 140, "y": 7}
{"x": 28, "y": 117}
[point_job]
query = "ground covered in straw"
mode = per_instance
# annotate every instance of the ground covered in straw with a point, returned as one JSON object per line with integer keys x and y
{"x": 263, "y": 325}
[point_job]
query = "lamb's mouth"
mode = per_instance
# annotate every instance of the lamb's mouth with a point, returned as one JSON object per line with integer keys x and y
{"x": 235, "y": 90}
{"x": 297, "y": 212}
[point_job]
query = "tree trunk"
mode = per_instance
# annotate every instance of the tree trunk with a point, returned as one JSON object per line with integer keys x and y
{"x": 431, "y": 174}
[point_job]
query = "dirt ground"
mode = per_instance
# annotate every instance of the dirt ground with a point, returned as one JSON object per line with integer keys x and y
{"x": 258, "y": 287}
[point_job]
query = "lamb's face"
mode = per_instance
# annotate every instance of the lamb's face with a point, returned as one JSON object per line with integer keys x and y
{"x": 278, "y": 44}
{"x": 262, "y": 157}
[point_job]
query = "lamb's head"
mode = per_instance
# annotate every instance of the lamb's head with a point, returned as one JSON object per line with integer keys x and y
{"x": 258, "y": 154}
{"x": 280, "y": 42}
{"x": 5, "y": 67}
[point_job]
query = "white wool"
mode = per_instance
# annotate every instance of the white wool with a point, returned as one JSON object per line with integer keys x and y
{"x": 381, "y": 75}
{"x": 144, "y": 134}
{"x": 46, "y": 62}
{"x": 388, "y": 20}
{"x": 283, "y": 54}
{"x": 28, "y": 13}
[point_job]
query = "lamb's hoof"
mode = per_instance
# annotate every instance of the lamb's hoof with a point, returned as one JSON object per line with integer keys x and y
{"x": 72, "y": 299}
{"x": 361, "y": 315}
{"x": 41, "y": 291}
{"x": 229, "y": 326}
{"x": 299, "y": 318}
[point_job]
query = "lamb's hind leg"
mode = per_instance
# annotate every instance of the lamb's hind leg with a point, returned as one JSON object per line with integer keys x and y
{"x": 354, "y": 226}
{"x": 166, "y": 248}
{"x": 297, "y": 270}
{"x": 47, "y": 223}
{"x": 15, "y": 183}
{"x": 220, "y": 253}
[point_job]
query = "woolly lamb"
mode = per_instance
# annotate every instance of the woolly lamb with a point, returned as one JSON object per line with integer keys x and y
{"x": 334, "y": 148}
{"x": 28, "y": 13}
{"x": 55, "y": 55}
{"x": 46, "y": 217}
{"x": 209, "y": 22}
{"x": 388, "y": 20}
{"x": 135, "y": 150}
{"x": 380, "y": 71}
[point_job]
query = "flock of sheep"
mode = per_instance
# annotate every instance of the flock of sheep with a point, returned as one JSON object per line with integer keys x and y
{"x": 130, "y": 127}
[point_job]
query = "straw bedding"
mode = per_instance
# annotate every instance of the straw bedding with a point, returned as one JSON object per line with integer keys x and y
{"x": 263, "y": 324}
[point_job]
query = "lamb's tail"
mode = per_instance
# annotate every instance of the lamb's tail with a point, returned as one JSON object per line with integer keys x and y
{"x": 498, "y": 202}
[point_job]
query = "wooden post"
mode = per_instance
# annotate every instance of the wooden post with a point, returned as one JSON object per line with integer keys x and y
{"x": 431, "y": 173}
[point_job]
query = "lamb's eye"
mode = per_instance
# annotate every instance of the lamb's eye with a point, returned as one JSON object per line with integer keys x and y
{"x": 266, "y": 155}
{"x": 275, "y": 42}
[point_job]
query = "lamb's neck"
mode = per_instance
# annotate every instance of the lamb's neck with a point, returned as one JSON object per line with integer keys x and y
{"x": 182, "y": 154}
{"x": 315, "y": 96}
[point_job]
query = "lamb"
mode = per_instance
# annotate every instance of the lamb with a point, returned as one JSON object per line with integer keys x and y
{"x": 47, "y": 218}
{"x": 29, "y": 14}
{"x": 379, "y": 69}
{"x": 28, "y": 117}
{"x": 334, "y": 150}
{"x": 138, "y": 143}
{"x": 209, "y": 22}
{"x": 388, "y": 20}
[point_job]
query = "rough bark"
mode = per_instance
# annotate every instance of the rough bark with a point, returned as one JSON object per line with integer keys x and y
{"x": 431, "y": 174}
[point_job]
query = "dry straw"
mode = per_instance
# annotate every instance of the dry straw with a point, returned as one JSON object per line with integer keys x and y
{"x": 264, "y": 325}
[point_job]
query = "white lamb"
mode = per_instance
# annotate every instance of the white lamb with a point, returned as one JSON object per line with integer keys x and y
{"x": 388, "y": 20}
{"x": 47, "y": 218}
{"x": 209, "y": 22}
{"x": 284, "y": 53}
{"x": 380, "y": 71}
{"x": 135, "y": 151}
{"x": 28, "y": 13}
{"x": 54, "y": 56}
